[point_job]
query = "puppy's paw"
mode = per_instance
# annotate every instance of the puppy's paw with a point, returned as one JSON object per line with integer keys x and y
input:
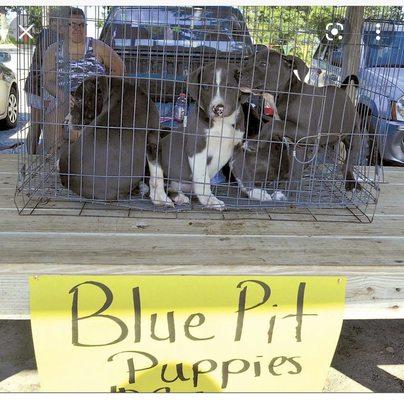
{"x": 160, "y": 198}
{"x": 180, "y": 199}
{"x": 259, "y": 195}
{"x": 279, "y": 196}
{"x": 212, "y": 202}
{"x": 352, "y": 185}
{"x": 143, "y": 189}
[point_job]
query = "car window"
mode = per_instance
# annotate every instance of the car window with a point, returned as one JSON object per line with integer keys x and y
{"x": 182, "y": 23}
{"x": 333, "y": 54}
{"x": 387, "y": 56}
{"x": 4, "y": 56}
{"x": 319, "y": 54}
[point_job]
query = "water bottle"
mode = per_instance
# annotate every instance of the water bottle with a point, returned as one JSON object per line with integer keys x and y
{"x": 180, "y": 107}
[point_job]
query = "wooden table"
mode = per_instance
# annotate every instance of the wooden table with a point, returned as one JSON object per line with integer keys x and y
{"x": 57, "y": 240}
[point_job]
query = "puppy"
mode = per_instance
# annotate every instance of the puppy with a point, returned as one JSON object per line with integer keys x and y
{"x": 259, "y": 160}
{"x": 310, "y": 115}
{"x": 193, "y": 157}
{"x": 119, "y": 132}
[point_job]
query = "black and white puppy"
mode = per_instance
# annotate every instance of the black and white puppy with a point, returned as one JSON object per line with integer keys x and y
{"x": 191, "y": 158}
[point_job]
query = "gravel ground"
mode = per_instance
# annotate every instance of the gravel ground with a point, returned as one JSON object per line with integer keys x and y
{"x": 369, "y": 357}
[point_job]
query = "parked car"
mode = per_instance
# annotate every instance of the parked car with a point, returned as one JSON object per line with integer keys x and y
{"x": 160, "y": 45}
{"x": 8, "y": 94}
{"x": 381, "y": 77}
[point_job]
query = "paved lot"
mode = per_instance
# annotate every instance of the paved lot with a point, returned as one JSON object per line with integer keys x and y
{"x": 9, "y": 139}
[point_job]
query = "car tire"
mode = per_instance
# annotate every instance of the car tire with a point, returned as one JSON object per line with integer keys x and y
{"x": 11, "y": 119}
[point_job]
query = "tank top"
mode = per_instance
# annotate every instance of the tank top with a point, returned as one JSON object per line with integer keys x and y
{"x": 71, "y": 73}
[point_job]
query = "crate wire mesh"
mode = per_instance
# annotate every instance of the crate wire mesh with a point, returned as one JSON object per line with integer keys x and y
{"x": 113, "y": 158}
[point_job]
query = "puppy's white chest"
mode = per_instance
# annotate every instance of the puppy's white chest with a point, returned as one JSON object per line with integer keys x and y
{"x": 220, "y": 141}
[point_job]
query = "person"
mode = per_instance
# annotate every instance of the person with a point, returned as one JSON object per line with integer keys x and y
{"x": 64, "y": 71}
{"x": 37, "y": 98}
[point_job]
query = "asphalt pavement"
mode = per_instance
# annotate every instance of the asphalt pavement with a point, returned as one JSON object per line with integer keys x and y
{"x": 11, "y": 139}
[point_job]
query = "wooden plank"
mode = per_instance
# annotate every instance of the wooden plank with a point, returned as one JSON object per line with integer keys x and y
{"x": 30, "y": 268}
{"x": 7, "y": 200}
{"x": 371, "y": 255}
{"x": 240, "y": 222}
{"x": 9, "y": 162}
{"x": 8, "y": 181}
{"x": 391, "y": 200}
{"x": 98, "y": 248}
{"x": 11, "y": 222}
{"x": 363, "y": 294}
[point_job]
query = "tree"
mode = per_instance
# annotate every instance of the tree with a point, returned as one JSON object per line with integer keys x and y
{"x": 3, "y": 24}
{"x": 298, "y": 30}
{"x": 394, "y": 13}
{"x": 34, "y": 14}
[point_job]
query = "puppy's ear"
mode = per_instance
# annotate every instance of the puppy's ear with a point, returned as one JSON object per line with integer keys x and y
{"x": 101, "y": 90}
{"x": 89, "y": 83}
{"x": 194, "y": 83}
{"x": 102, "y": 86}
{"x": 100, "y": 100}
{"x": 78, "y": 93}
{"x": 298, "y": 64}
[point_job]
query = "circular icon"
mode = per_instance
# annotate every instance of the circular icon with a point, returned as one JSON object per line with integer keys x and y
{"x": 334, "y": 31}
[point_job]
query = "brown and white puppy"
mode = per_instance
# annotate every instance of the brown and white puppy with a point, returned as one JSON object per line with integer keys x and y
{"x": 192, "y": 158}
{"x": 118, "y": 124}
{"x": 309, "y": 114}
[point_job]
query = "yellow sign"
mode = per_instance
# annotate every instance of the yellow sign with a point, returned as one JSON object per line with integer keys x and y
{"x": 185, "y": 333}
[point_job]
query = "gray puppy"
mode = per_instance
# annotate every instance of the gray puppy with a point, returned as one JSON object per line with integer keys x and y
{"x": 192, "y": 157}
{"x": 305, "y": 110}
{"x": 119, "y": 132}
{"x": 259, "y": 161}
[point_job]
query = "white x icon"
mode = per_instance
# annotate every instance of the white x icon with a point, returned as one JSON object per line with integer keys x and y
{"x": 25, "y": 31}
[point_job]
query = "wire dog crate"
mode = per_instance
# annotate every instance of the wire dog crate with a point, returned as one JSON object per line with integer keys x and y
{"x": 171, "y": 109}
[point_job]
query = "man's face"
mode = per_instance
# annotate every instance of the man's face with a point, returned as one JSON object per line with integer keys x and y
{"x": 77, "y": 29}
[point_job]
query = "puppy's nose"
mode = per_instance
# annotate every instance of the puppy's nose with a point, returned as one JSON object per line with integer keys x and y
{"x": 218, "y": 109}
